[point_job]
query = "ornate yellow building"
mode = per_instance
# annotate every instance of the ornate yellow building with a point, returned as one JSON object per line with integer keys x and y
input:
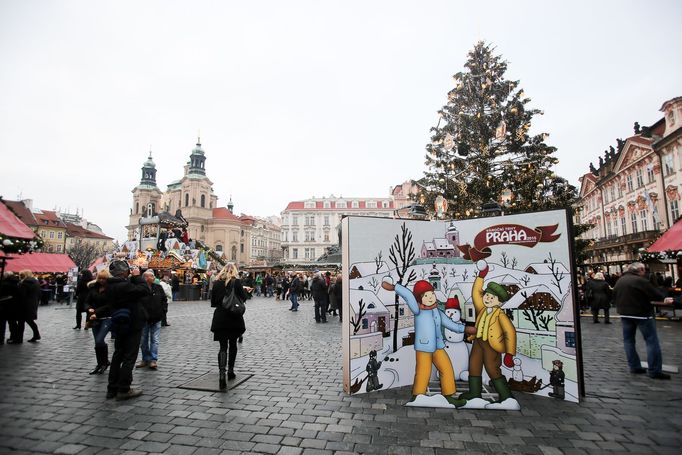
{"x": 218, "y": 227}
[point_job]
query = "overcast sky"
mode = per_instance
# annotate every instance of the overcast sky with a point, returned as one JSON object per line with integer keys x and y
{"x": 295, "y": 99}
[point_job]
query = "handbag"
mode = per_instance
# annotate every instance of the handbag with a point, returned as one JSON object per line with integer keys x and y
{"x": 232, "y": 304}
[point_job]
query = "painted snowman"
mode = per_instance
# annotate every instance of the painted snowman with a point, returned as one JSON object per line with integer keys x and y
{"x": 455, "y": 346}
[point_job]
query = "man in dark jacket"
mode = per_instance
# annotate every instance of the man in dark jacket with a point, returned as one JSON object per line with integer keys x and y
{"x": 320, "y": 295}
{"x": 153, "y": 305}
{"x": 633, "y": 295}
{"x": 125, "y": 296}
{"x": 294, "y": 289}
{"x": 81, "y": 293}
{"x": 29, "y": 295}
{"x": 9, "y": 306}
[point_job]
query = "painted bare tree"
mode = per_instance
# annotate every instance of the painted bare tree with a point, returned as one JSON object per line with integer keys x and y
{"x": 557, "y": 275}
{"x": 401, "y": 254}
{"x": 504, "y": 260}
{"x": 374, "y": 284}
{"x": 356, "y": 324}
{"x": 465, "y": 275}
{"x": 378, "y": 262}
{"x": 514, "y": 263}
{"x": 525, "y": 279}
{"x": 538, "y": 318}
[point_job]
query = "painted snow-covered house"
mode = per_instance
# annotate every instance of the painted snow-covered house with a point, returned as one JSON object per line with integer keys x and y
{"x": 370, "y": 323}
{"x": 547, "y": 268}
{"x": 565, "y": 349}
{"x": 442, "y": 247}
{"x": 533, "y": 313}
{"x": 363, "y": 269}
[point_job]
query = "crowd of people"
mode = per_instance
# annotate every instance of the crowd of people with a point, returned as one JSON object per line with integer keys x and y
{"x": 19, "y": 300}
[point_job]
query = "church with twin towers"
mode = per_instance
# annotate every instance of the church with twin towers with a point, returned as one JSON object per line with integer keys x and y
{"x": 242, "y": 239}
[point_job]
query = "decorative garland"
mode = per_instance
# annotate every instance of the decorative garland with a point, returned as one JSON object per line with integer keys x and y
{"x": 19, "y": 246}
{"x": 668, "y": 254}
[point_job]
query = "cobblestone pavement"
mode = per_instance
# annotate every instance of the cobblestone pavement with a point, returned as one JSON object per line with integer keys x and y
{"x": 294, "y": 403}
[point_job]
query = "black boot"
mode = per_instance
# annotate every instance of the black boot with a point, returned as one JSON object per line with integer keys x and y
{"x": 230, "y": 364}
{"x": 105, "y": 359}
{"x": 222, "y": 363}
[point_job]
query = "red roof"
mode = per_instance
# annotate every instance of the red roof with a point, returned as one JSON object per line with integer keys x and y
{"x": 12, "y": 226}
{"x": 49, "y": 218}
{"x": 39, "y": 262}
{"x": 670, "y": 240}
{"x": 75, "y": 230}
{"x": 23, "y": 212}
{"x": 223, "y": 213}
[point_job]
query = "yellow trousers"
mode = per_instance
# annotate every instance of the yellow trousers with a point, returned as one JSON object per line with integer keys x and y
{"x": 422, "y": 372}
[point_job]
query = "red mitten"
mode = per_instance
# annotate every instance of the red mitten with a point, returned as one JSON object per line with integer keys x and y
{"x": 509, "y": 361}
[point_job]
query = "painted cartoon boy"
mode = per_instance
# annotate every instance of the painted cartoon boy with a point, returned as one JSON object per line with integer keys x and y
{"x": 428, "y": 333}
{"x": 494, "y": 335}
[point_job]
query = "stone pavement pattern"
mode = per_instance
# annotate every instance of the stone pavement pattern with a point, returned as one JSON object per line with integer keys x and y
{"x": 294, "y": 403}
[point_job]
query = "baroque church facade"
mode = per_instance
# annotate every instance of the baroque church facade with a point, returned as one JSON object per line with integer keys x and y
{"x": 217, "y": 227}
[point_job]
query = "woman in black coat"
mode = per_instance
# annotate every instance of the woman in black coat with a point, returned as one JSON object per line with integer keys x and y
{"x": 29, "y": 291}
{"x": 97, "y": 303}
{"x": 598, "y": 293}
{"x": 81, "y": 294}
{"x": 227, "y": 327}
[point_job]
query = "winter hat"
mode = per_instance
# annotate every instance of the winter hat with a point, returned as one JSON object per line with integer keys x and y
{"x": 420, "y": 287}
{"x": 497, "y": 290}
{"x": 452, "y": 303}
{"x": 118, "y": 268}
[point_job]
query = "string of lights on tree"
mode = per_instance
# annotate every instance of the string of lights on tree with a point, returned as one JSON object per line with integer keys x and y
{"x": 481, "y": 148}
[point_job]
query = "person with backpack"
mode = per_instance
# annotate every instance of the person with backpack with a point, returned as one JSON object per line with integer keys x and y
{"x": 227, "y": 326}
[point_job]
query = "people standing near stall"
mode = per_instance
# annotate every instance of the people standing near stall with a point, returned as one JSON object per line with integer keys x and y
{"x": 175, "y": 286}
{"x": 84, "y": 278}
{"x": 227, "y": 326}
{"x": 598, "y": 293}
{"x": 97, "y": 304}
{"x": 29, "y": 295}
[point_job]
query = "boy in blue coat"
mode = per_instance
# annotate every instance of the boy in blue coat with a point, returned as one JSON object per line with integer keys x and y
{"x": 429, "y": 345}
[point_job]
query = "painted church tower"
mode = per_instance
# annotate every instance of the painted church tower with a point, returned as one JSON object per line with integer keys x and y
{"x": 146, "y": 197}
{"x": 452, "y": 236}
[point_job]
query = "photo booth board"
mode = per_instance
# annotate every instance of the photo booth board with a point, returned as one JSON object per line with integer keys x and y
{"x": 523, "y": 261}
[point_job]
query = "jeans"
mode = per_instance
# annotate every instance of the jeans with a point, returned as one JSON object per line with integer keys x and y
{"x": 294, "y": 300}
{"x": 268, "y": 291}
{"x": 653, "y": 348}
{"x": 257, "y": 290}
{"x": 99, "y": 331}
{"x": 150, "y": 341}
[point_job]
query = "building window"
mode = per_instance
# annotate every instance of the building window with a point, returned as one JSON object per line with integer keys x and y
{"x": 306, "y": 253}
{"x": 241, "y": 248}
{"x": 365, "y": 323}
{"x": 242, "y": 232}
{"x": 605, "y": 197}
{"x": 645, "y": 224}
{"x": 355, "y": 204}
{"x": 326, "y": 236}
{"x": 650, "y": 173}
{"x": 615, "y": 227}
{"x": 668, "y": 164}
{"x": 385, "y": 204}
{"x": 294, "y": 236}
{"x": 371, "y": 204}
{"x": 608, "y": 229}
{"x": 310, "y": 236}
{"x": 294, "y": 253}
{"x": 294, "y": 220}
{"x": 570, "y": 339}
{"x": 203, "y": 200}
{"x": 51, "y": 234}
{"x": 310, "y": 205}
{"x": 640, "y": 177}
{"x": 59, "y": 235}
{"x": 137, "y": 208}
{"x": 633, "y": 222}
{"x": 186, "y": 199}
{"x": 675, "y": 210}
{"x": 59, "y": 248}
{"x": 326, "y": 220}
{"x": 623, "y": 225}
{"x": 620, "y": 191}
{"x": 628, "y": 181}
{"x": 234, "y": 253}
{"x": 341, "y": 204}
{"x": 327, "y": 204}
{"x": 219, "y": 248}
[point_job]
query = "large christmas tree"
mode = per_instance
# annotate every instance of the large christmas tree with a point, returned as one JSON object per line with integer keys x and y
{"x": 481, "y": 149}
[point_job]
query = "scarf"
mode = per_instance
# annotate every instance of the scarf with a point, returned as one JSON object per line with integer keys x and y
{"x": 484, "y": 324}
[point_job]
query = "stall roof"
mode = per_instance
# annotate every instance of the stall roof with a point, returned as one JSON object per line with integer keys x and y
{"x": 11, "y": 226}
{"x": 39, "y": 262}
{"x": 670, "y": 240}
